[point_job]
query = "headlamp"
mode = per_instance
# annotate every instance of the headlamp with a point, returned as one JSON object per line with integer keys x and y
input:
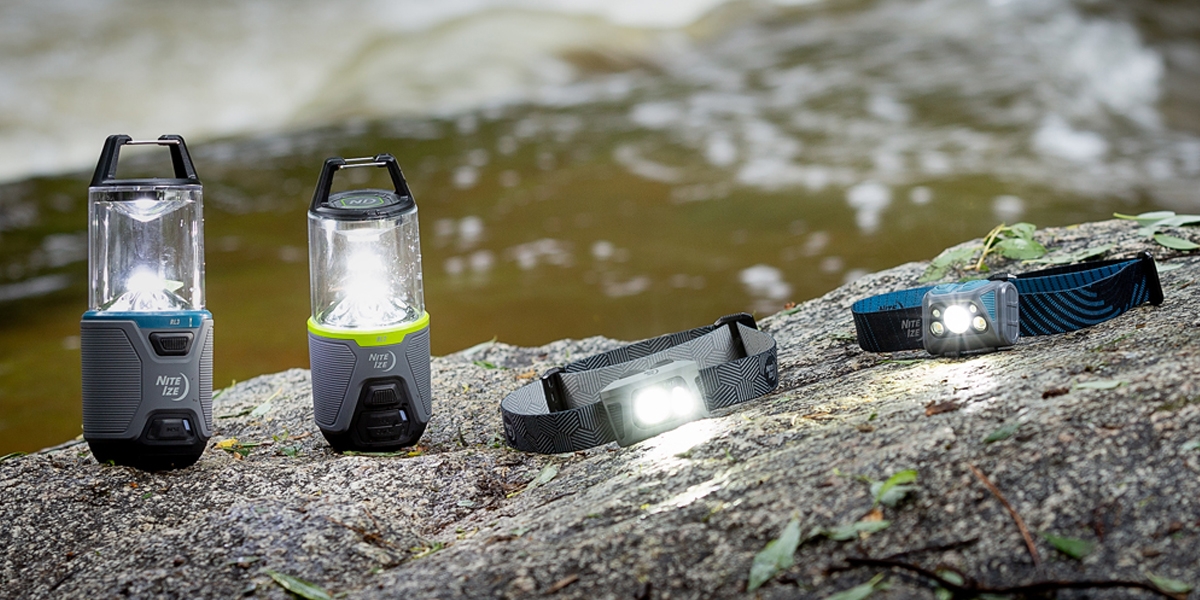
{"x": 368, "y": 337}
{"x": 640, "y": 390}
{"x": 653, "y": 401}
{"x": 971, "y": 316}
{"x": 950, "y": 319}
{"x": 146, "y": 340}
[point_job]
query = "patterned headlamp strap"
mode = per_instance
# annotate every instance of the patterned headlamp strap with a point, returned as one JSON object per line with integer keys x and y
{"x": 1055, "y": 300}
{"x": 562, "y": 411}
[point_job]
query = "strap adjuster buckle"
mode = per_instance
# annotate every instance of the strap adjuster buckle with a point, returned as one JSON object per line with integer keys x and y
{"x": 552, "y": 388}
{"x": 1153, "y": 286}
{"x": 733, "y": 321}
{"x": 1002, "y": 277}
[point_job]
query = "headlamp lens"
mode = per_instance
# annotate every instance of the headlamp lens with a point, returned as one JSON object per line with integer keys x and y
{"x": 651, "y": 405}
{"x": 965, "y": 317}
{"x": 957, "y": 319}
{"x": 653, "y": 401}
{"x": 683, "y": 401}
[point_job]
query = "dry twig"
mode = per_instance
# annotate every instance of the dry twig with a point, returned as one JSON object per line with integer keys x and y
{"x": 971, "y": 589}
{"x": 1037, "y": 560}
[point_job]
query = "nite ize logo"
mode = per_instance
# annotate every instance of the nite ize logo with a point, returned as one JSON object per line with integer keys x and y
{"x": 360, "y": 202}
{"x": 174, "y": 388}
{"x": 911, "y": 327}
{"x": 382, "y": 361}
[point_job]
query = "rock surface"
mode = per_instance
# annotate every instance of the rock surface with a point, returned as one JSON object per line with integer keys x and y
{"x": 681, "y": 515}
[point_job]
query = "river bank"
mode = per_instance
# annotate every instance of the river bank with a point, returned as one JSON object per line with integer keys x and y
{"x": 1090, "y": 436}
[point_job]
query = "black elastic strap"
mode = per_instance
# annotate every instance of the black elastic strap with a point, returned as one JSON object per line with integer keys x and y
{"x": 1054, "y": 300}
{"x": 737, "y": 363}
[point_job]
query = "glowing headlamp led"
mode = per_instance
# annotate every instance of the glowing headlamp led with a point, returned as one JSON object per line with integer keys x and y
{"x": 648, "y": 403}
{"x": 971, "y": 316}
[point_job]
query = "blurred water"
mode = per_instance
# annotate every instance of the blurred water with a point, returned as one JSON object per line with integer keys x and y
{"x": 582, "y": 167}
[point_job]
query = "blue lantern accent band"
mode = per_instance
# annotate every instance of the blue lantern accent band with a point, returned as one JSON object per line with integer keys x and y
{"x": 1055, "y": 300}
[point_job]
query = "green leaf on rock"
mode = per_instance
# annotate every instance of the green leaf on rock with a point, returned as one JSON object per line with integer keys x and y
{"x": 1170, "y": 586}
{"x": 775, "y": 557}
{"x": 1179, "y": 221}
{"x": 261, "y": 410}
{"x": 1147, "y": 218}
{"x": 298, "y": 586}
{"x": 1067, "y": 258}
{"x": 892, "y": 491}
{"x": 1192, "y": 445}
{"x": 1073, "y": 547}
{"x": 485, "y": 364}
{"x": 543, "y": 477}
{"x": 952, "y": 576}
{"x": 948, "y": 259}
{"x": 1101, "y": 384}
{"x": 842, "y": 533}
{"x": 1023, "y": 230}
{"x": 1175, "y": 243}
{"x": 1020, "y": 249}
{"x": 1003, "y": 433}
{"x": 859, "y": 591}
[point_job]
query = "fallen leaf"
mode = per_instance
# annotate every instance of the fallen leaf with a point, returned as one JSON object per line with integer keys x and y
{"x": 941, "y": 265}
{"x": 842, "y": 533}
{"x": 1071, "y": 257}
{"x": 1171, "y": 586}
{"x": 1073, "y": 547}
{"x": 859, "y": 591}
{"x": 298, "y": 586}
{"x": 485, "y": 364}
{"x": 1147, "y": 218}
{"x": 874, "y": 515}
{"x": 1175, "y": 243}
{"x": 1053, "y": 392}
{"x": 941, "y": 407}
{"x": 543, "y": 477}
{"x": 261, "y": 410}
{"x": 892, "y": 491}
{"x": 775, "y": 557}
{"x": 1003, "y": 433}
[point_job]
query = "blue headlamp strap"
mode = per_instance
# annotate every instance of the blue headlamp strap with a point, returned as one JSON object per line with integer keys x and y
{"x": 1055, "y": 300}
{"x": 562, "y": 411}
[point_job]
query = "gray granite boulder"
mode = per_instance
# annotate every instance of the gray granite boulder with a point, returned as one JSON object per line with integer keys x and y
{"x": 681, "y": 515}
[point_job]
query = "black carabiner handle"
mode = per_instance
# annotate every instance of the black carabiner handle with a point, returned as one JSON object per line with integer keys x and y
{"x": 106, "y": 168}
{"x": 337, "y": 163}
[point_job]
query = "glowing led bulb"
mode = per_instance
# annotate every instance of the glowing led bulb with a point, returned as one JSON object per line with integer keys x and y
{"x": 957, "y": 319}
{"x": 683, "y": 402}
{"x": 652, "y": 405}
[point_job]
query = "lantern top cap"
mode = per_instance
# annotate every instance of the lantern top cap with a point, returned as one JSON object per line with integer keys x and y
{"x": 106, "y": 168}
{"x": 361, "y": 205}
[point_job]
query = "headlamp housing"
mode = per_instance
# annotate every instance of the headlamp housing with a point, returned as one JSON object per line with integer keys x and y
{"x": 972, "y": 316}
{"x": 646, "y": 404}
